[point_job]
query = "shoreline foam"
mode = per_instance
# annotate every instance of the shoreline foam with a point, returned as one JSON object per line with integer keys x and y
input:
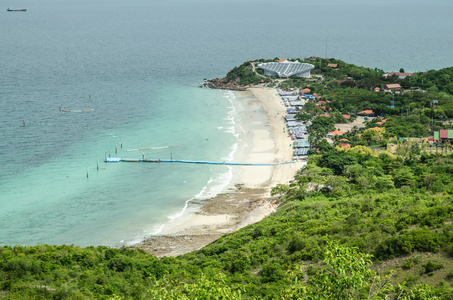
{"x": 246, "y": 199}
{"x": 209, "y": 190}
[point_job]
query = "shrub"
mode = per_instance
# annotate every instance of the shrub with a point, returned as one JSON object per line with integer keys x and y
{"x": 408, "y": 263}
{"x": 296, "y": 243}
{"x": 272, "y": 272}
{"x": 450, "y": 275}
{"x": 411, "y": 279}
{"x": 430, "y": 267}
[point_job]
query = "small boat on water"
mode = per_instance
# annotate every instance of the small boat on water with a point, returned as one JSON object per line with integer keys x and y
{"x": 11, "y": 9}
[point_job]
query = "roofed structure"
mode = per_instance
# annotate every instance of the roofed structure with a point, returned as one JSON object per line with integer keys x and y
{"x": 291, "y": 110}
{"x": 290, "y": 118}
{"x": 290, "y": 98}
{"x": 392, "y": 87}
{"x": 401, "y": 75}
{"x": 286, "y": 69}
{"x": 334, "y": 133}
{"x": 302, "y": 143}
{"x": 446, "y": 134}
{"x": 366, "y": 112}
{"x": 301, "y": 151}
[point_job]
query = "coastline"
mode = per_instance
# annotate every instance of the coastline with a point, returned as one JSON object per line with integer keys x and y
{"x": 246, "y": 199}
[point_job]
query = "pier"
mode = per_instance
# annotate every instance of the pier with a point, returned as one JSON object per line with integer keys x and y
{"x": 117, "y": 159}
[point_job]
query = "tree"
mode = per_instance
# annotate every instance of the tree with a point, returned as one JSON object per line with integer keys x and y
{"x": 373, "y": 135}
{"x": 338, "y": 161}
{"x": 279, "y": 189}
{"x": 384, "y": 182}
{"x": 303, "y": 117}
{"x": 215, "y": 288}
{"x": 346, "y": 275}
{"x": 325, "y": 123}
{"x": 324, "y": 146}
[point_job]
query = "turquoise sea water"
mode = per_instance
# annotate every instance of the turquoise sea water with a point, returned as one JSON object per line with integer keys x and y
{"x": 138, "y": 65}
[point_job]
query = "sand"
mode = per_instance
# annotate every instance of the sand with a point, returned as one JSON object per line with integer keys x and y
{"x": 246, "y": 200}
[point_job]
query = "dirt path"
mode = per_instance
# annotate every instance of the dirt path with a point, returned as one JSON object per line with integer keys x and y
{"x": 359, "y": 122}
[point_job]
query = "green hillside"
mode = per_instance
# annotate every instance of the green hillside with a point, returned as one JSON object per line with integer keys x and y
{"x": 355, "y": 223}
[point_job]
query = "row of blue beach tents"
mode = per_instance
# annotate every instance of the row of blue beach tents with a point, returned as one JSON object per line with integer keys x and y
{"x": 297, "y": 129}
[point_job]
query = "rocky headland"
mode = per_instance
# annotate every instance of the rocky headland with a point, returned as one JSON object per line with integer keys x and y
{"x": 224, "y": 84}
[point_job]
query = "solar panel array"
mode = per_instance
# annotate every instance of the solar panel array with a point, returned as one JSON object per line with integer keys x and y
{"x": 286, "y": 69}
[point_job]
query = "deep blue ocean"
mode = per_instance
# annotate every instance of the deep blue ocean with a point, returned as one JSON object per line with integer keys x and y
{"x": 129, "y": 71}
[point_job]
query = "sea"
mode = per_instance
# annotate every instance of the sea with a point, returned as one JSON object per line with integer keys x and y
{"x": 84, "y": 80}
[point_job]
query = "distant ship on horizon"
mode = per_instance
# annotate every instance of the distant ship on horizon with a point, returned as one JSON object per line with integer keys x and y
{"x": 11, "y": 9}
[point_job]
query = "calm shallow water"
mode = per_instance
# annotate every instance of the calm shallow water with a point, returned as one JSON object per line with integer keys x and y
{"x": 138, "y": 65}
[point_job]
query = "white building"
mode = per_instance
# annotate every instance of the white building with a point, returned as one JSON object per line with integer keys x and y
{"x": 286, "y": 69}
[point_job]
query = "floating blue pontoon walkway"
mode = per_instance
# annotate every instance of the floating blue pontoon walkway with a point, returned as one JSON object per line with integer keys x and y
{"x": 116, "y": 159}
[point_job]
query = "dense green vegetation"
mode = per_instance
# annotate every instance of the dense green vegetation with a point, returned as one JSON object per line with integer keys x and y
{"x": 380, "y": 204}
{"x": 424, "y": 104}
{"x": 353, "y": 224}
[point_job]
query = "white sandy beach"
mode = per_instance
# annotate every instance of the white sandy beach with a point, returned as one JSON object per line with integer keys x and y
{"x": 246, "y": 199}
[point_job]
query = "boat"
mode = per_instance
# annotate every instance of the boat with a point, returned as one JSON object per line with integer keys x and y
{"x": 11, "y": 9}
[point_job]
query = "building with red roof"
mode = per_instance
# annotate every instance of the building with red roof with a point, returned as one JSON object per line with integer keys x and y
{"x": 446, "y": 134}
{"x": 401, "y": 75}
{"x": 392, "y": 87}
{"x": 334, "y": 133}
{"x": 347, "y": 146}
{"x": 366, "y": 112}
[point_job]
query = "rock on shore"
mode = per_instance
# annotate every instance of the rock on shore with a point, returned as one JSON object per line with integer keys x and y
{"x": 224, "y": 84}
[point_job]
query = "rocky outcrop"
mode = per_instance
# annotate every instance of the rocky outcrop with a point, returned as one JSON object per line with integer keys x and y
{"x": 224, "y": 84}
